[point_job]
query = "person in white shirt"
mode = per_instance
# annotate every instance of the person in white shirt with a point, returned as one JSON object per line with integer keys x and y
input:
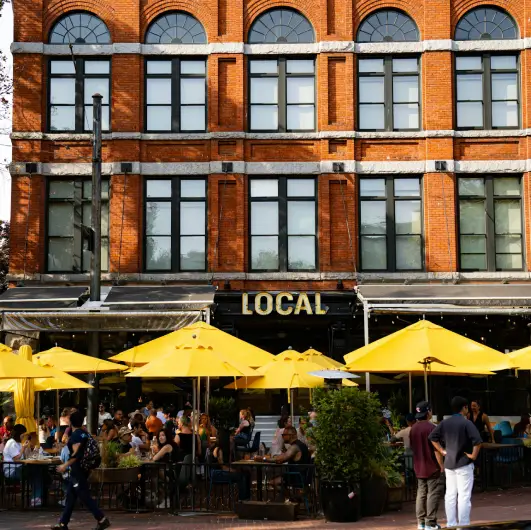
{"x": 102, "y": 415}
{"x": 140, "y": 439}
{"x": 160, "y": 415}
{"x": 404, "y": 433}
{"x": 15, "y": 451}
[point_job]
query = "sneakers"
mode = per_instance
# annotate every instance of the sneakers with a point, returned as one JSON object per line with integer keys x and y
{"x": 103, "y": 524}
{"x": 433, "y": 527}
{"x": 421, "y": 526}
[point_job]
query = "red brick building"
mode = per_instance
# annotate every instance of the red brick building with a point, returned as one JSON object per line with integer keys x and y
{"x": 275, "y": 146}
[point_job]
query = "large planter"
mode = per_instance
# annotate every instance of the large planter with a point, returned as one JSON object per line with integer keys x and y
{"x": 340, "y": 501}
{"x": 114, "y": 475}
{"x": 395, "y": 497}
{"x": 373, "y": 496}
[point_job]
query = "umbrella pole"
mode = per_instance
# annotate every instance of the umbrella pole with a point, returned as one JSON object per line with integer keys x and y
{"x": 410, "y": 393}
{"x": 207, "y": 394}
{"x": 38, "y": 406}
{"x": 57, "y": 406}
{"x": 291, "y": 405}
{"x": 426, "y": 382}
{"x": 366, "y": 337}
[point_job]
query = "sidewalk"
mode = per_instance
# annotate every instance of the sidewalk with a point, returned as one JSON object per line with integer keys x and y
{"x": 492, "y": 506}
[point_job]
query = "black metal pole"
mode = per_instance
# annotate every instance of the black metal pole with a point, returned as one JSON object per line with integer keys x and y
{"x": 95, "y": 269}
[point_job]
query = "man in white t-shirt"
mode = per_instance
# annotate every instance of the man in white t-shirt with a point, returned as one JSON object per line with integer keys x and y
{"x": 102, "y": 415}
{"x": 140, "y": 438}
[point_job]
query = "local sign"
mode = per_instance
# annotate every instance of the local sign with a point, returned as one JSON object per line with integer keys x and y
{"x": 283, "y": 303}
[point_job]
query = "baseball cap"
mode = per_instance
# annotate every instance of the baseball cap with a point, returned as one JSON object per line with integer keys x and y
{"x": 422, "y": 409}
{"x": 123, "y": 431}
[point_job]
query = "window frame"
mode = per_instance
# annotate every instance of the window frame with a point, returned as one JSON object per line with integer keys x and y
{"x": 176, "y": 106}
{"x": 388, "y": 75}
{"x": 78, "y": 239}
{"x": 282, "y": 103}
{"x": 282, "y": 199}
{"x": 390, "y": 235}
{"x": 79, "y": 76}
{"x": 486, "y": 74}
{"x": 175, "y": 230}
{"x": 489, "y": 200}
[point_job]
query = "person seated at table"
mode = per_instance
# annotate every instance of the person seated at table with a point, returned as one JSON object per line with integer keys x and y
{"x": 140, "y": 438}
{"x": 64, "y": 423}
{"x": 109, "y": 432}
{"x": 103, "y": 415}
{"x": 6, "y": 429}
{"x": 137, "y": 417}
{"x": 34, "y": 447}
{"x": 118, "y": 419}
{"x": 164, "y": 448}
{"x": 186, "y": 411}
{"x": 185, "y": 438}
{"x": 278, "y": 442}
{"x": 481, "y": 421}
{"x": 125, "y": 436}
{"x": 523, "y": 427}
{"x": 16, "y": 450}
{"x": 242, "y": 435}
{"x": 219, "y": 461}
{"x": 153, "y": 424}
{"x": 44, "y": 432}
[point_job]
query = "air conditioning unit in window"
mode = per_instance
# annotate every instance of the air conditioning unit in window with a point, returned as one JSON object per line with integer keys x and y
{"x": 338, "y": 167}
{"x": 226, "y": 167}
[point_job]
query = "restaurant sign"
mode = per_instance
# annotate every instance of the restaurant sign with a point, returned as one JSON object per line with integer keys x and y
{"x": 283, "y": 303}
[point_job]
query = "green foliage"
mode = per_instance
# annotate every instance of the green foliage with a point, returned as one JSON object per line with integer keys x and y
{"x": 348, "y": 435}
{"x": 223, "y": 412}
{"x": 130, "y": 461}
{"x": 109, "y": 452}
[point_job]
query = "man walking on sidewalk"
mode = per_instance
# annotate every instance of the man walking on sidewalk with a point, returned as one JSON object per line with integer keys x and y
{"x": 78, "y": 486}
{"x": 428, "y": 466}
{"x": 459, "y": 441}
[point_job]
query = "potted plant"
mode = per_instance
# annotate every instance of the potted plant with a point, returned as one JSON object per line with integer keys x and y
{"x": 113, "y": 470}
{"x": 347, "y": 439}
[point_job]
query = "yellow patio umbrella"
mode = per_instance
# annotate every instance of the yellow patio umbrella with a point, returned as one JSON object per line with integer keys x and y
{"x": 5, "y": 349}
{"x": 319, "y": 358}
{"x": 13, "y": 366}
{"x": 521, "y": 359}
{"x": 233, "y": 348}
{"x": 24, "y": 397}
{"x": 75, "y": 363}
{"x": 423, "y": 347}
{"x": 289, "y": 354}
{"x": 288, "y": 373}
{"x": 197, "y": 357}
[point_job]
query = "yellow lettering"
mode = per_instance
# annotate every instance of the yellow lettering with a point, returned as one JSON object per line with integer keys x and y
{"x": 318, "y": 310}
{"x": 245, "y": 305}
{"x": 258, "y": 304}
{"x": 289, "y": 298}
{"x": 303, "y": 304}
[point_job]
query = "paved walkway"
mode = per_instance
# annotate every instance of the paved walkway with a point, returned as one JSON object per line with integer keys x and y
{"x": 492, "y": 506}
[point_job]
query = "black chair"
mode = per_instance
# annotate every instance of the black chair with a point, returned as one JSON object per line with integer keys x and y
{"x": 253, "y": 447}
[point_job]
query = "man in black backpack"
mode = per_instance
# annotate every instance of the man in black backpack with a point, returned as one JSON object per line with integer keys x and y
{"x": 78, "y": 486}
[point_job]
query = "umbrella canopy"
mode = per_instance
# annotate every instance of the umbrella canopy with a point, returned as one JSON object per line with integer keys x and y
{"x": 319, "y": 358}
{"x": 289, "y": 354}
{"x": 75, "y": 363}
{"x": 5, "y": 349}
{"x": 422, "y": 345}
{"x": 195, "y": 358}
{"x": 233, "y": 349}
{"x": 24, "y": 397}
{"x": 286, "y": 373}
{"x": 56, "y": 380}
{"x": 15, "y": 367}
{"x": 521, "y": 359}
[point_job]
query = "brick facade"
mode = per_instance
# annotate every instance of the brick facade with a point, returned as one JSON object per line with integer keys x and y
{"x": 336, "y": 97}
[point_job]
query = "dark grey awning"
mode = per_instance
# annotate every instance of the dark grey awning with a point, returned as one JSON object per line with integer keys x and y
{"x": 41, "y": 298}
{"x": 162, "y": 297}
{"x": 446, "y": 298}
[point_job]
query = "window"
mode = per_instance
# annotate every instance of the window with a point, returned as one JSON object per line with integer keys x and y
{"x": 490, "y": 223}
{"x": 281, "y": 25}
{"x": 391, "y": 224}
{"x": 388, "y": 26}
{"x": 485, "y": 23}
{"x": 80, "y": 28}
{"x": 175, "y": 225}
{"x": 176, "y": 28}
{"x": 176, "y": 95}
{"x": 388, "y": 89}
{"x": 283, "y": 224}
{"x": 487, "y": 92}
{"x": 72, "y": 85}
{"x": 282, "y": 94}
{"x": 69, "y": 209}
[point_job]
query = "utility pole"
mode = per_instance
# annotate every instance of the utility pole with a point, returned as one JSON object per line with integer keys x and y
{"x": 95, "y": 268}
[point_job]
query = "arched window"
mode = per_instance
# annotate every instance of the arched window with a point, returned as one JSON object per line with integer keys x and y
{"x": 80, "y": 28}
{"x": 176, "y": 28}
{"x": 281, "y": 25}
{"x": 388, "y": 25}
{"x": 485, "y": 23}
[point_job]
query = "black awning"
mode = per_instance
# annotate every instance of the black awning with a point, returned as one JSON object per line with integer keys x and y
{"x": 42, "y": 298}
{"x": 160, "y": 297}
{"x": 465, "y": 296}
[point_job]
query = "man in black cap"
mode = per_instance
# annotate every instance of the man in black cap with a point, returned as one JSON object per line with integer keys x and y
{"x": 428, "y": 466}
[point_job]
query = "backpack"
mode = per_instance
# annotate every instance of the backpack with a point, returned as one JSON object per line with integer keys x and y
{"x": 91, "y": 457}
